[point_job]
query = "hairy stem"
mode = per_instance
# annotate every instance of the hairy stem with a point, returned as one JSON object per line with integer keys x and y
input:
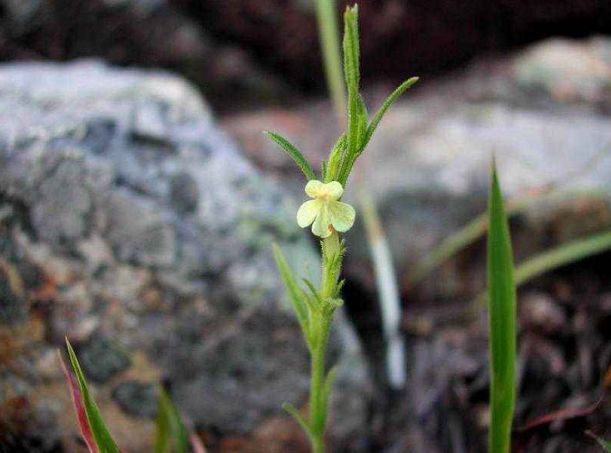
{"x": 320, "y": 328}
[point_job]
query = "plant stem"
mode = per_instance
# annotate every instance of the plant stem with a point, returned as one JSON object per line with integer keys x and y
{"x": 329, "y": 43}
{"x": 319, "y": 336}
{"x": 317, "y": 400}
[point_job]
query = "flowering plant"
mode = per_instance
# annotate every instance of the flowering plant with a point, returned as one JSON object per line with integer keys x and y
{"x": 315, "y": 306}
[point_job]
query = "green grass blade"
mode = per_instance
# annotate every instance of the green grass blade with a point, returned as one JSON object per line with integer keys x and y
{"x": 502, "y": 323}
{"x": 562, "y": 255}
{"x": 385, "y": 106}
{"x": 294, "y": 291}
{"x": 294, "y": 153}
{"x": 162, "y": 428}
{"x": 478, "y": 226}
{"x": 170, "y": 426}
{"x": 101, "y": 435}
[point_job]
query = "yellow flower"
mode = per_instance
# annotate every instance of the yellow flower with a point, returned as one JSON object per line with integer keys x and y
{"x": 325, "y": 212}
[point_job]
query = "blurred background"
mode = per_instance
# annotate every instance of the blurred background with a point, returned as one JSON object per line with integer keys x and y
{"x": 139, "y": 200}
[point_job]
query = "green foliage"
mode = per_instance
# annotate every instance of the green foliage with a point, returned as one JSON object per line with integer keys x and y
{"x": 104, "y": 442}
{"x": 170, "y": 427}
{"x": 295, "y": 293}
{"x": 562, "y": 255}
{"x": 294, "y": 153}
{"x": 314, "y": 307}
{"x": 502, "y": 323}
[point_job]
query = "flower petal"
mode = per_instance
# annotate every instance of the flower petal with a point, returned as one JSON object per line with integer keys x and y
{"x": 313, "y": 188}
{"x": 341, "y": 215}
{"x": 320, "y": 227}
{"x": 334, "y": 189}
{"x": 307, "y": 212}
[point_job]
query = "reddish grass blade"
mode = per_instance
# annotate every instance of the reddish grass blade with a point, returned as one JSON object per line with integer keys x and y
{"x": 79, "y": 407}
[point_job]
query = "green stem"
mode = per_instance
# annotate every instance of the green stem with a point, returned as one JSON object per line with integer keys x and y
{"x": 317, "y": 400}
{"x": 319, "y": 336}
{"x": 330, "y": 251}
{"x": 329, "y": 43}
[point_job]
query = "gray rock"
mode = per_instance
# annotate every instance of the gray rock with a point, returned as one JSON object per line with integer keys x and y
{"x": 146, "y": 236}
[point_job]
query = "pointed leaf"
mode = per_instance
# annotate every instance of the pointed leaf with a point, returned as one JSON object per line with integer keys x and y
{"x": 385, "y": 106}
{"x": 351, "y": 49}
{"x": 297, "y": 416}
{"x": 502, "y": 322}
{"x": 101, "y": 435}
{"x": 335, "y": 159}
{"x": 79, "y": 407}
{"x": 162, "y": 429}
{"x": 169, "y": 422}
{"x": 292, "y": 288}
{"x": 294, "y": 153}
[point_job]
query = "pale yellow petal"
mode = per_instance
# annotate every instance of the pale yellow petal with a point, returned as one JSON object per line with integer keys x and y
{"x": 313, "y": 188}
{"x": 307, "y": 212}
{"x": 341, "y": 215}
{"x": 334, "y": 189}
{"x": 320, "y": 227}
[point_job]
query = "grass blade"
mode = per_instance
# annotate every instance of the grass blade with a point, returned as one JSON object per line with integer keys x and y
{"x": 502, "y": 323}
{"x": 477, "y": 227}
{"x": 101, "y": 436}
{"x": 294, "y": 153}
{"x": 79, "y": 407}
{"x": 562, "y": 255}
{"x": 169, "y": 422}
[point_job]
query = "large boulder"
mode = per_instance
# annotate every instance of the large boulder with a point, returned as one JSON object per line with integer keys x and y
{"x": 131, "y": 224}
{"x": 134, "y": 33}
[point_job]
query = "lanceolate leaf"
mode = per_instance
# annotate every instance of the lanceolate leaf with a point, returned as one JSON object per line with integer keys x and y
{"x": 387, "y": 103}
{"x": 101, "y": 436}
{"x": 292, "y": 288}
{"x": 502, "y": 323}
{"x": 294, "y": 153}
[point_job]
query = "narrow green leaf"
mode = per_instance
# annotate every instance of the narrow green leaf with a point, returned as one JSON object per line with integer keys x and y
{"x": 335, "y": 159}
{"x": 557, "y": 257}
{"x": 294, "y": 153}
{"x": 351, "y": 50}
{"x": 101, "y": 435}
{"x": 385, "y": 106}
{"x": 294, "y": 291}
{"x": 562, "y": 255}
{"x": 298, "y": 417}
{"x": 170, "y": 423}
{"x": 352, "y": 76}
{"x": 502, "y": 323}
{"x": 162, "y": 428}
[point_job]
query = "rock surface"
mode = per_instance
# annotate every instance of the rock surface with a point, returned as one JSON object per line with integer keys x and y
{"x": 129, "y": 222}
{"x": 544, "y": 113}
{"x": 149, "y": 33}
